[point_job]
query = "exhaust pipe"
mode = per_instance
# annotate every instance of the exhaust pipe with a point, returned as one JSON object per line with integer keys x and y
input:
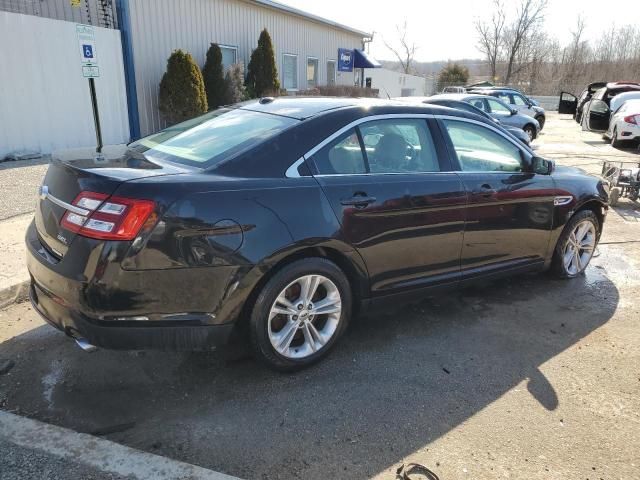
{"x": 84, "y": 345}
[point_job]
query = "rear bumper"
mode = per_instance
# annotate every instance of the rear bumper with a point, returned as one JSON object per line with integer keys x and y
{"x": 110, "y": 336}
{"x": 180, "y": 309}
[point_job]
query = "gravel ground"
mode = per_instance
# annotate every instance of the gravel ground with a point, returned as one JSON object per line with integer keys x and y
{"x": 19, "y": 182}
{"x": 18, "y": 463}
{"x": 528, "y": 377}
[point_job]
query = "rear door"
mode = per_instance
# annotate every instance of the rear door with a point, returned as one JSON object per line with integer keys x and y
{"x": 510, "y": 208}
{"x": 596, "y": 114}
{"x": 389, "y": 182}
{"x": 568, "y": 103}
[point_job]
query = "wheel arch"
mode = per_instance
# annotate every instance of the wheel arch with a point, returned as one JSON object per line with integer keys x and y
{"x": 345, "y": 257}
{"x": 598, "y": 207}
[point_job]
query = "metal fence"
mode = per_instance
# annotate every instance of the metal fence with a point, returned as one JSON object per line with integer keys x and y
{"x": 101, "y": 13}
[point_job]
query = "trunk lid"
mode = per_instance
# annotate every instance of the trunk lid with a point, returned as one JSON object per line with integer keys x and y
{"x": 78, "y": 170}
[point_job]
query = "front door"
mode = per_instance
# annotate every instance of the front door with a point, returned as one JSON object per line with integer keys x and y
{"x": 510, "y": 208}
{"x": 568, "y": 103}
{"x": 398, "y": 202}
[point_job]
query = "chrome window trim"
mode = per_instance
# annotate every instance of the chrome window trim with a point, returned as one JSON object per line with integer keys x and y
{"x": 44, "y": 194}
{"x": 359, "y": 121}
{"x": 292, "y": 171}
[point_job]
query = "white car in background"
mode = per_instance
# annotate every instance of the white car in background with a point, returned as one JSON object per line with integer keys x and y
{"x": 624, "y": 126}
{"x": 619, "y": 99}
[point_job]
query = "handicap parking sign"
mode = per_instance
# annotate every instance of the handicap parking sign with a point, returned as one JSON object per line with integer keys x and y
{"x": 88, "y": 51}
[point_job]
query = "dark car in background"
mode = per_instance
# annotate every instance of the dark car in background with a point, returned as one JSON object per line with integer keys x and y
{"x": 275, "y": 221}
{"x": 518, "y": 100}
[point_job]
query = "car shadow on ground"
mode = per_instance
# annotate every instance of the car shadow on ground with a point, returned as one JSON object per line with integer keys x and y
{"x": 11, "y": 164}
{"x": 397, "y": 381}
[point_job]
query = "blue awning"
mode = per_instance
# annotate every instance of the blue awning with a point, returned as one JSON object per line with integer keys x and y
{"x": 362, "y": 60}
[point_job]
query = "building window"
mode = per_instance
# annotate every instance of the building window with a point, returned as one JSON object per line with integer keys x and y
{"x": 229, "y": 56}
{"x": 312, "y": 72}
{"x": 290, "y": 71}
{"x": 331, "y": 72}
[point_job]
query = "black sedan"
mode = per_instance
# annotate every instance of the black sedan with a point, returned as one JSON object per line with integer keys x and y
{"x": 277, "y": 220}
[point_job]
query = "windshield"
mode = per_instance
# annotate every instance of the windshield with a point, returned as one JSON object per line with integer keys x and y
{"x": 211, "y": 138}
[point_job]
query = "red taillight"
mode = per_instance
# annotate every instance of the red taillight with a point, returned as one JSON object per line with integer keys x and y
{"x": 635, "y": 119}
{"x": 108, "y": 218}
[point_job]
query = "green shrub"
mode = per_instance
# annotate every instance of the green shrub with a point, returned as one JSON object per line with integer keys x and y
{"x": 213, "y": 75}
{"x": 262, "y": 74}
{"x": 234, "y": 85}
{"x": 453, "y": 75}
{"x": 182, "y": 95}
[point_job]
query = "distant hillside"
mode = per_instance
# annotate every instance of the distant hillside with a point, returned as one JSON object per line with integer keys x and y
{"x": 477, "y": 67}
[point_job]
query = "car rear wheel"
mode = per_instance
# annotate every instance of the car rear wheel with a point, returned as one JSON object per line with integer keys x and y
{"x": 300, "y": 314}
{"x": 530, "y": 130}
{"x": 615, "y": 142}
{"x": 576, "y": 245}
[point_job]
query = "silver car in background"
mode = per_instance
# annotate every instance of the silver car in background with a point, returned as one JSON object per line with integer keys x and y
{"x": 499, "y": 110}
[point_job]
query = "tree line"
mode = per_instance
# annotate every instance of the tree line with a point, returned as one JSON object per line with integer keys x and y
{"x": 186, "y": 91}
{"x": 518, "y": 51}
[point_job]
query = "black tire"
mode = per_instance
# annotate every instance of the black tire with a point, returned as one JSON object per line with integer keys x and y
{"x": 258, "y": 324}
{"x": 530, "y": 130}
{"x": 615, "y": 143}
{"x": 557, "y": 265}
{"x": 541, "y": 119}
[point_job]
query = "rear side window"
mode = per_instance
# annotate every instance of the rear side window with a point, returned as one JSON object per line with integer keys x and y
{"x": 211, "y": 138}
{"x": 399, "y": 146}
{"x": 480, "y": 149}
{"x": 341, "y": 156}
{"x": 505, "y": 97}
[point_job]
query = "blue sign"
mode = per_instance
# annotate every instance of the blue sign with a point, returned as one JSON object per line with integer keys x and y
{"x": 345, "y": 60}
{"x": 87, "y": 50}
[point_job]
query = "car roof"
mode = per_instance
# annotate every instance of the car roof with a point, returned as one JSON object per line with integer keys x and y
{"x": 303, "y": 108}
{"x": 625, "y": 86}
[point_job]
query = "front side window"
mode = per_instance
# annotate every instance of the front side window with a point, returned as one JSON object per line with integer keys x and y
{"x": 498, "y": 107}
{"x": 505, "y": 97}
{"x": 480, "y": 149}
{"x": 480, "y": 103}
{"x": 519, "y": 100}
{"x": 341, "y": 156}
{"x": 312, "y": 72}
{"x": 211, "y": 138}
{"x": 399, "y": 146}
{"x": 290, "y": 72}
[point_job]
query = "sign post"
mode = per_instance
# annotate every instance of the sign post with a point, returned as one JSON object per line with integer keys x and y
{"x": 90, "y": 70}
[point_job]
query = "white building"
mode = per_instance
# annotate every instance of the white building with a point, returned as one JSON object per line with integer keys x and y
{"x": 396, "y": 84}
{"x": 306, "y": 46}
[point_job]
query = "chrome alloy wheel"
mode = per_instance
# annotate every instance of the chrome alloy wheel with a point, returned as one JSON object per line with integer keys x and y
{"x": 579, "y": 247}
{"x": 304, "y": 316}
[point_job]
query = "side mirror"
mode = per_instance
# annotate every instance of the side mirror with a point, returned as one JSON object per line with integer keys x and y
{"x": 514, "y": 111}
{"x": 542, "y": 166}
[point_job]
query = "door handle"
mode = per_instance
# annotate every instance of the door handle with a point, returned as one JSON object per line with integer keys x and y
{"x": 485, "y": 190}
{"x": 358, "y": 201}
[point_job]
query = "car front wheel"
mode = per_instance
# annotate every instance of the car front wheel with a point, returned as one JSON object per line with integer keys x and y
{"x": 541, "y": 119}
{"x": 300, "y": 314}
{"x": 576, "y": 245}
{"x": 530, "y": 130}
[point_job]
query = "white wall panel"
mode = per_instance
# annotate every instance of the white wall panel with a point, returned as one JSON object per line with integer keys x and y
{"x": 158, "y": 27}
{"x": 44, "y": 99}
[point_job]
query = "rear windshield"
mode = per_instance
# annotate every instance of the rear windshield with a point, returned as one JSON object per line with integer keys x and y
{"x": 211, "y": 138}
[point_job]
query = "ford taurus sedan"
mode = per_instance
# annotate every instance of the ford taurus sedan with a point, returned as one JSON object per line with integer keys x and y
{"x": 275, "y": 221}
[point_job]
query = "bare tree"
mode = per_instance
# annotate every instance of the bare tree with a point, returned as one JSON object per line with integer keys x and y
{"x": 529, "y": 16}
{"x": 405, "y": 53}
{"x": 490, "y": 35}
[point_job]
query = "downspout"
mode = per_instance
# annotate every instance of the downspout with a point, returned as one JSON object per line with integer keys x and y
{"x": 124, "y": 23}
